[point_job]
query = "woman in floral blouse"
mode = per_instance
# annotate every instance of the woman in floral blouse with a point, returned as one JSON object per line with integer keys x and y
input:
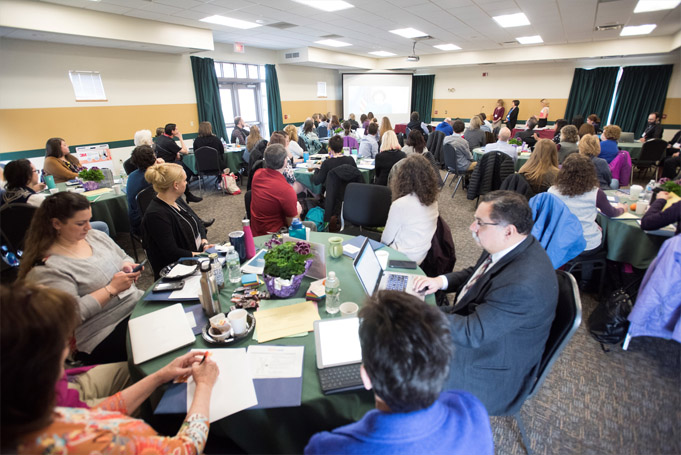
{"x": 36, "y": 326}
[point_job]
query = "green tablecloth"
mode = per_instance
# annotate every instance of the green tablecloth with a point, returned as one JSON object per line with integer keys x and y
{"x": 634, "y": 149}
{"x": 522, "y": 159}
{"x": 109, "y": 207}
{"x": 286, "y": 430}
{"x": 232, "y": 160}
{"x": 305, "y": 178}
{"x": 627, "y": 242}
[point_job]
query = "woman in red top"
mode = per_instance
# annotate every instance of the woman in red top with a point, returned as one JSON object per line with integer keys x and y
{"x": 498, "y": 115}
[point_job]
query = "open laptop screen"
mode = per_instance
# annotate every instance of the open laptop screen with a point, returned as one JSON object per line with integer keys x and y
{"x": 337, "y": 342}
{"x": 367, "y": 267}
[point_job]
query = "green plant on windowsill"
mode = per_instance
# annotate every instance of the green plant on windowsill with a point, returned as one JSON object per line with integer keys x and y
{"x": 93, "y": 175}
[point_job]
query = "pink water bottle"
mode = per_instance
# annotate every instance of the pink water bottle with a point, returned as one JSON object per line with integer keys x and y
{"x": 248, "y": 238}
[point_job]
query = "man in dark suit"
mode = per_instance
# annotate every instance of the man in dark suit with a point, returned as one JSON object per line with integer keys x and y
{"x": 504, "y": 307}
{"x": 529, "y": 136}
{"x": 653, "y": 128}
{"x": 512, "y": 117}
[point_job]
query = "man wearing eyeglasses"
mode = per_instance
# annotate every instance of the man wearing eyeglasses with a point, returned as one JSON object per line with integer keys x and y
{"x": 504, "y": 305}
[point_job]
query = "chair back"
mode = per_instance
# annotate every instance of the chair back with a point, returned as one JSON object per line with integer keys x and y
{"x": 144, "y": 198}
{"x": 336, "y": 182}
{"x": 626, "y": 137}
{"x": 652, "y": 152}
{"x": 490, "y": 138}
{"x": 434, "y": 145}
{"x": 302, "y": 143}
{"x": 368, "y": 205}
{"x": 565, "y": 324}
{"x": 450, "y": 155}
{"x": 258, "y": 164}
{"x": 247, "y": 203}
{"x": 349, "y": 141}
{"x": 322, "y": 132}
{"x": 207, "y": 161}
{"x": 14, "y": 222}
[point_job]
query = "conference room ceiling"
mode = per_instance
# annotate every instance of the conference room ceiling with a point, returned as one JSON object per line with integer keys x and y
{"x": 465, "y": 23}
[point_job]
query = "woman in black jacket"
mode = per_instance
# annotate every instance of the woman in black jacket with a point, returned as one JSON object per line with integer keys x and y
{"x": 170, "y": 229}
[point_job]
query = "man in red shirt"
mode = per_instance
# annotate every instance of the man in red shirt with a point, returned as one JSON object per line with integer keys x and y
{"x": 273, "y": 200}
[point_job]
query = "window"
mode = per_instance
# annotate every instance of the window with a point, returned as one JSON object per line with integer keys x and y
{"x": 243, "y": 94}
{"x": 87, "y": 85}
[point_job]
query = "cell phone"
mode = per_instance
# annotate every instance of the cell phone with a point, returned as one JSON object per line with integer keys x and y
{"x": 172, "y": 286}
{"x": 139, "y": 267}
{"x": 393, "y": 264}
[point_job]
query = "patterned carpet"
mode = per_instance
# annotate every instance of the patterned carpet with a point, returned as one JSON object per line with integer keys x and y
{"x": 593, "y": 402}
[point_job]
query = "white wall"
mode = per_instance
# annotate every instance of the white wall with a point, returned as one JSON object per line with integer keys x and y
{"x": 299, "y": 83}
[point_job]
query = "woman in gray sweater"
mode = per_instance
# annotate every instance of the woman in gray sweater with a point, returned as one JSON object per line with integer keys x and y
{"x": 474, "y": 135}
{"x": 63, "y": 252}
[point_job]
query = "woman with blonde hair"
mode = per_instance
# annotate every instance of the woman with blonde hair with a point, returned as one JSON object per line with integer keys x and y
{"x": 391, "y": 152}
{"x": 412, "y": 218}
{"x": 498, "y": 115}
{"x": 385, "y": 126}
{"x": 541, "y": 169}
{"x": 170, "y": 229}
{"x": 474, "y": 135}
{"x": 589, "y": 146}
{"x": 293, "y": 146}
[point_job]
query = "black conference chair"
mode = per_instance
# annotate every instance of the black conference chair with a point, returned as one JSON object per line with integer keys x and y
{"x": 365, "y": 206}
{"x": 258, "y": 164}
{"x": 322, "y": 132}
{"x": 208, "y": 163}
{"x": 14, "y": 222}
{"x": 651, "y": 153}
{"x": 450, "y": 156}
{"x": 247, "y": 203}
{"x": 144, "y": 198}
{"x": 598, "y": 261}
{"x": 565, "y": 324}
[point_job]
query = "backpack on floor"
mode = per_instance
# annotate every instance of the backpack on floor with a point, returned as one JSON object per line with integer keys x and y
{"x": 608, "y": 323}
{"x": 316, "y": 215}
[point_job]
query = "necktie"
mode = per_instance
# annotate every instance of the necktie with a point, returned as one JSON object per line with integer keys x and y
{"x": 476, "y": 276}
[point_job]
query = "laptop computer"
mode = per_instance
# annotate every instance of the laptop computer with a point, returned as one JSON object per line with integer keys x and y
{"x": 339, "y": 355}
{"x": 373, "y": 278}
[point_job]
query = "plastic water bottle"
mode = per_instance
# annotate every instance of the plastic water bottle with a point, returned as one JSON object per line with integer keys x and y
{"x": 216, "y": 269}
{"x": 648, "y": 194}
{"x": 297, "y": 230}
{"x": 123, "y": 175}
{"x": 332, "y": 290}
{"x": 233, "y": 265}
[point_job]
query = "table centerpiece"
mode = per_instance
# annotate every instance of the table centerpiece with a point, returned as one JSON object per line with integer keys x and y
{"x": 286, "y": 263}
{"x": 91, "y": 178}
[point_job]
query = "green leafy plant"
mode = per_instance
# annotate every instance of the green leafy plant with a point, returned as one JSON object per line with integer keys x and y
{"x": 287, "y": 259}
{"x": 514, "y": 141}
{"x": 671, "y": 187}
{"x": 93, "y": 174}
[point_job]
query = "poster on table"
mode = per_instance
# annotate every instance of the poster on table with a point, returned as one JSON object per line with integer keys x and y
{"x": 95, "y": 155}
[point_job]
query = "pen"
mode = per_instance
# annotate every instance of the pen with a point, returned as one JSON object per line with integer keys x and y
{"x": 205, "y": 354}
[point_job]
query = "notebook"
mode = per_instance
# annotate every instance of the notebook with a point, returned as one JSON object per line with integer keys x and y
{"x": 339, "y": 355}
{"x": 159, "y": 332}
{"x": 373, "y": 278}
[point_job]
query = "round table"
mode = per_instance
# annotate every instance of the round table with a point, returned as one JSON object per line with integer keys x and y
{"x": 634, "y": 149}
{"x": 522, "y": 157}
{"x": 231, "y": 158}
{"x": 305, "y": 178}
{"x": 109, "y": 207}
{"x": 286, "y": 430}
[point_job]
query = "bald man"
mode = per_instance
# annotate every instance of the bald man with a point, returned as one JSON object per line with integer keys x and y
{"x": 445, "y": 127}
{"x": 502, "y": 144}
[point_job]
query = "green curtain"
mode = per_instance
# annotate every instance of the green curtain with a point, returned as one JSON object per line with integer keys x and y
{"x": 422, "y": 96}
{"x": 642, "y": 90}
{"x": 591, "y": 92}
{"x": 274, "y": 114}
{"x": 208, "y": 101}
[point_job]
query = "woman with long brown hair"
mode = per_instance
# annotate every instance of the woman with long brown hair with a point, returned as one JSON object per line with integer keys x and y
{"x": 63, "y": 252}
{"x": 412, "y": 219}
{"x": 59, "y": 162}
{"x": 541, "y": 169}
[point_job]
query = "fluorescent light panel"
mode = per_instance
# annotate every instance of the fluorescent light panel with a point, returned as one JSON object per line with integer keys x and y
{"x": 408, "y": 32}
{"x": 638, "y": 30}
{"x": 535, "y": 39}
{"x": 645, "y": 6}
{"x": 512, "y": 20}
{"x": 333, "y": 43}
{"x": 326, "y": 5}
{"x": 382, "y": 53}
{"x": 447, "y": 47}
{"x": 229, "y": 22}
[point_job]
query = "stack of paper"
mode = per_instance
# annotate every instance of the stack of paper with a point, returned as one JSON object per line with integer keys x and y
{"x": 316, "y": 291}
{"x": 284, "y": 321}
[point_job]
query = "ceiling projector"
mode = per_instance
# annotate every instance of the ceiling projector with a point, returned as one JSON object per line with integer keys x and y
{"x": 413, "y": 58}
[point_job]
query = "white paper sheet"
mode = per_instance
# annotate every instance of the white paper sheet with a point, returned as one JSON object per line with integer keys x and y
{"x": 276, "y": 361}
{"x": 233, "y": 390}
{"x": 191, "y": 289}
{"x": 180, "y": 269}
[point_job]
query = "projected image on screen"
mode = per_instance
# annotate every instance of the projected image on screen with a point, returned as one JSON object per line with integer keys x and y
{"x": 383, "y": 94}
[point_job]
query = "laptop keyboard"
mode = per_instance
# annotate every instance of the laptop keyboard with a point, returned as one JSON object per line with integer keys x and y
{"x": 337, "y": 379}
{"x": 397, "y": 282}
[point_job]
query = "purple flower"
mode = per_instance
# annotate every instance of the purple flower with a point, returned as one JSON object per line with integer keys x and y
{"x": 302, "y": 248}
{"x": 271, "y": 243}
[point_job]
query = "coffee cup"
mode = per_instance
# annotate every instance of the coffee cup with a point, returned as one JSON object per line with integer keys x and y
{"x": 635, "y": 191}
{"x": 641, "y": 207}
{"x": 49, "y": 181}
{"x": 349, "y": 309}
{"x": 218, "y": 335}
{"x": 117, "y": 189}
{"x": 220, "y": 322}
{"x": 54, "y": 190}
{"x": 237, "y": 319}
{"x": 335, "y": 247}
{"x": 383, "y": 258}
{"x": 306, "y": 156}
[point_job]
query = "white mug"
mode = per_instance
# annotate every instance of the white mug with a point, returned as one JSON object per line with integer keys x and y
{"x": 349, "y": 309}
{"x": 641, "y": 207}
{"x": 238, "y": 320}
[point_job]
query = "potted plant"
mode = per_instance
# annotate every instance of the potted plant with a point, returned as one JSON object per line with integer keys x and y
{"x": 91, "y": 178}
{"x": 285, "y": 266}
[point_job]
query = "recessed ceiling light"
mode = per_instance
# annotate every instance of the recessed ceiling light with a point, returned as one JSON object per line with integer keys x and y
{"x": 229, "y": 22}
{"x": 638, "y": 30}
{"x": 408, "y": 32}
{"x": 326, "y": 5}
{"x": 644, "y": 6}
{"x": 512, "y": 20}
{"x": 447, "y": 47}
{"x": 536, "y": 39}
{"x": 382, "y": 53}
{"x": 333, "y": 43}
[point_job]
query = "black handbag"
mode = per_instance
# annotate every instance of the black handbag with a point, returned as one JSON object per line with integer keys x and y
{"x": 608, "y": 323}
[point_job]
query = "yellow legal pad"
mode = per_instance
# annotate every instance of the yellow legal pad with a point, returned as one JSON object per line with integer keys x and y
{"x": 97, "y": 192}
{"x": 284, "y": 321}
